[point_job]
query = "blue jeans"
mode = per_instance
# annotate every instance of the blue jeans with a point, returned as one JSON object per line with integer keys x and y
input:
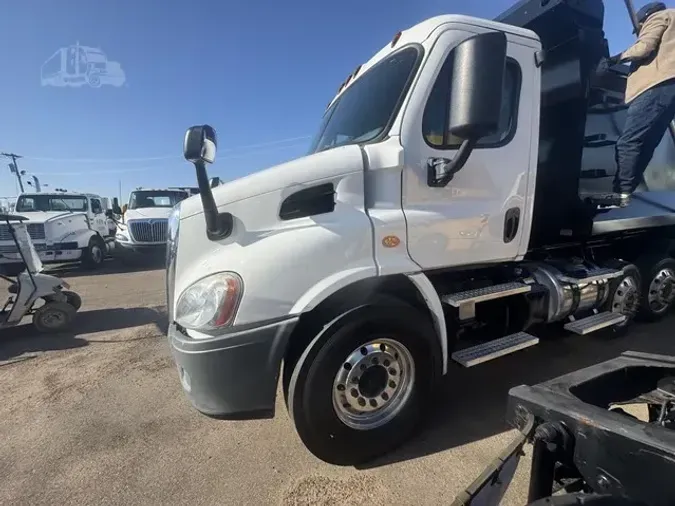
{"x": 647, "y": 119}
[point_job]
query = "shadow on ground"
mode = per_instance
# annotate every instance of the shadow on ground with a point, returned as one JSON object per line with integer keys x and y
{"x": 23, "y": 339}
{"x": 110, "y": 266}
{"x": 471, "y": 403}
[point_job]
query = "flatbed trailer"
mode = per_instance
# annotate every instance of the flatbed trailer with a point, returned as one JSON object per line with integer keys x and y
{"x": 450, "y": 206}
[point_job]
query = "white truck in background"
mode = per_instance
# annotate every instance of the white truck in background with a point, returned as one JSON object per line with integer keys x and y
{"x": 142, "y": 230}
{"x": 64, "y": 227}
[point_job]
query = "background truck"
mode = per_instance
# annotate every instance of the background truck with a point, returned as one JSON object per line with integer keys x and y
{"x": 64, "y": 227}
{"x": 144, "y": 221}
{"x": 450, "y": 208}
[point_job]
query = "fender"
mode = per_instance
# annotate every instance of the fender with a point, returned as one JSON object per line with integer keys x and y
{"x": 430, "y": 296}
{"x": 330, "y": 285}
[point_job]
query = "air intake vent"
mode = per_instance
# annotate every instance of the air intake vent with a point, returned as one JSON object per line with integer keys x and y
{"x": 309, "y": 202}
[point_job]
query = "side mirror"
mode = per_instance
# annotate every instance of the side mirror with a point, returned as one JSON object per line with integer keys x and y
{"x": 200, "y": 144}
{"x": 116, "y": 209}
{"x": 109, "y": 213}
{"x": 199, "y": 147}
{"x": 477, "y": 83}
{"x": 479, "y": 65}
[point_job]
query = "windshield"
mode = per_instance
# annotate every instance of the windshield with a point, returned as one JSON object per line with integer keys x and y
{"x": 28, "y": 203}
{"x": 143, "y": 199}
{"x": 364, "y": 110}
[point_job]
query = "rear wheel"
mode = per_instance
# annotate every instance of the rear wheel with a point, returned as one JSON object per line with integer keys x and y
{"x": 94, "y": 254}
{"x": 73, "y": 299}
{"x": 360, "y": 388}
{"x": 53, "y": 317}
{"x": 624, "y": 295}
{"x": 658, "y": 291}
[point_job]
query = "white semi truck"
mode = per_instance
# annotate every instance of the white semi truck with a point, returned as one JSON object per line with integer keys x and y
{"x": 450, "y": 205}
{"x": 144, "y": 221}
{"x": 64, "y": 227}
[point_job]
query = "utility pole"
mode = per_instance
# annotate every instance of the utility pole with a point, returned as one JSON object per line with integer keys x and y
{"x": 13, "y": 167}
{"x": 633, "y": 19}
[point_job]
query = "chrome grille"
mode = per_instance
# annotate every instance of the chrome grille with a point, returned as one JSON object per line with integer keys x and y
{"x": 148, "y": 230}
{"x": 35, "y": 230}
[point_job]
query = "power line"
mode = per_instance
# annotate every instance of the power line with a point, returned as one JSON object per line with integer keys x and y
{"x": 158, "y": 158}
{"x": 156, "y": 167}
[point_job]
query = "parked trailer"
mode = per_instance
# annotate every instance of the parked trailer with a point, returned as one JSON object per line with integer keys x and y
{"x": 451, "y": 203}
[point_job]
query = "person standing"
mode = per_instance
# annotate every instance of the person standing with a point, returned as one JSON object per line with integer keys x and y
{"x": 650, "y": 95}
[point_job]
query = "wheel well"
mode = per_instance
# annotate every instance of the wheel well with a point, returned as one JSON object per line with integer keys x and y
{"x": 398, "y": 286}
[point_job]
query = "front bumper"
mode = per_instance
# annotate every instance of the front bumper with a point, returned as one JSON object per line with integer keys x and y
{"x": 57, "y": 252}
{"x": 234, "y": 375}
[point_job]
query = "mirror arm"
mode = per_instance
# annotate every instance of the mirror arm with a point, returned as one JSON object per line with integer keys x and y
{"x": 218, "y": 225}
{"x": 440, "y": 171}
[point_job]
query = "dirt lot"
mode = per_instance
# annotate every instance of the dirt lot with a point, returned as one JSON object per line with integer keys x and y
{"x": 98, "y": 417}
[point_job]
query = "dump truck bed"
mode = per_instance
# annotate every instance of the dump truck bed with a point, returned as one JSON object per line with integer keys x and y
{"x": 582, "y": 116}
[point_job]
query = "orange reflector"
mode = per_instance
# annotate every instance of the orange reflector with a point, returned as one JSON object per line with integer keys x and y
{"x": 395, "y": 39}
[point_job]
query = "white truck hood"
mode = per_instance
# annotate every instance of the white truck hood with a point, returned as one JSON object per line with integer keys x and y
{"x": 322, "y": 165}
{"x": 45, "y": 216}
{"x": 145, "y": 213}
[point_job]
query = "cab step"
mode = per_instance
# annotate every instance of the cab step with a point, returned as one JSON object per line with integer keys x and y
{"x": 466, "y": 301}
{"x": 468, "y": 357}
{"x": 486, "y": 293}
{"x": 591, "y": 275}
{"x": 594, "y": 322}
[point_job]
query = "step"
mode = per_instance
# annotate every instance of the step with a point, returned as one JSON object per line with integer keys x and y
{"x": 595, "y": 322}
{"x": 598, "y": 274}
{"x": 486, "y": 293}
{"x": 485, "y": 352}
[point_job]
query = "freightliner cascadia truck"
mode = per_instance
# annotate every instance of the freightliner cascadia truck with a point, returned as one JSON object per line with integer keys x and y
{"x": 450, "y": 205}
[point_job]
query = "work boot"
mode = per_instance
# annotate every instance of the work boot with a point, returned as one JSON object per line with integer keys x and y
{"x": 610, "y": 200}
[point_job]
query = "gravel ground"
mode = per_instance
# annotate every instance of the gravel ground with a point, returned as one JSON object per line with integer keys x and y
{"x": 98, "y": 417}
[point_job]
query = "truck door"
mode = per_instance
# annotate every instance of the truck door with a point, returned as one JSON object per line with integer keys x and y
{"x": 484, "y": 213}
{"x": 98, "y": 221}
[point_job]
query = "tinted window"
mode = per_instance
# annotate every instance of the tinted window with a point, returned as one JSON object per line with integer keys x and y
{"x": 150, "y": 198}
{"x": 435, "y": 120}
{"x": 364, "y": 110}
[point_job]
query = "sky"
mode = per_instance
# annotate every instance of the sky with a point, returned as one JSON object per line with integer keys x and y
{"x": 261, "y": 73}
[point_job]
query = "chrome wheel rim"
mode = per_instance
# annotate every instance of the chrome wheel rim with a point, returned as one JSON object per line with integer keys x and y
{"x": 626, "y": 298}
{"x": 661, "y": 291}
{"x": 373, "y": 384}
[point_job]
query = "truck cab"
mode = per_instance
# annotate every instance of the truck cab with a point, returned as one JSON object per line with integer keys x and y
{"x": 438, "y": 219}
{"x": 144, "y": 220}
{"x": 64, "y": 227}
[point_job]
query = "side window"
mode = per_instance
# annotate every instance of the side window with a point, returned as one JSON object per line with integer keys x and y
{"x": 96, "y": 206}
{"x": 435, "y": 120}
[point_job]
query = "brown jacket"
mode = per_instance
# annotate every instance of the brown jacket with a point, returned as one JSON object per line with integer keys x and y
{"x": 654, "y": 52}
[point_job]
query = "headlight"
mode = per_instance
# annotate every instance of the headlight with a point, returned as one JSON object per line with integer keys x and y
{"x": 210, "y": 303}
{"x": 174, "y": 220}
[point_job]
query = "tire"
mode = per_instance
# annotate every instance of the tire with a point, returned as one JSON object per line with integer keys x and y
{"x": 73, "y": 299}
{"x": 407, "y": 367}
{"x": 53, "y": 317}
{"x": 624, "y": 295}
{"x": 94, "y": 254}
{"x": 658, "y": 287}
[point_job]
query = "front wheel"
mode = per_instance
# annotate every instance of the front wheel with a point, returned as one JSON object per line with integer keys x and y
{"x": 53, "y": 317}
{"x": 94, "y": 254}
{"x": 359, "y": 389}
